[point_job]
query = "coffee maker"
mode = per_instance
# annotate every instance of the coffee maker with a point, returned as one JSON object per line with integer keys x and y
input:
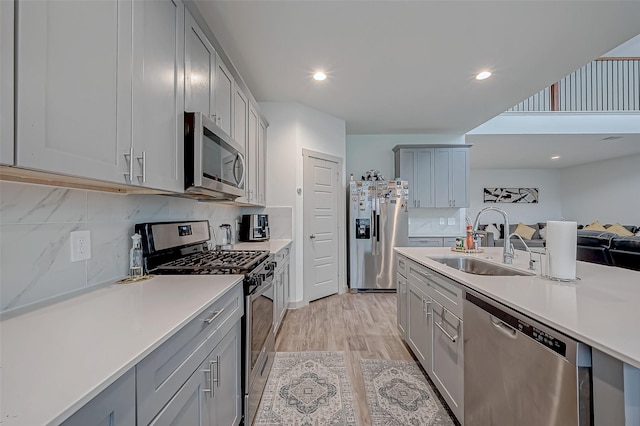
{"x": 254, "y": 227}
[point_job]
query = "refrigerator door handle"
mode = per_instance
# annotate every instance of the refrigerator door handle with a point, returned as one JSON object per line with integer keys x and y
{"x": 377, "y": 227}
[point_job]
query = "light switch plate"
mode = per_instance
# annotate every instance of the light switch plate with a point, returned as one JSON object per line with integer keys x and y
{"x": 452, "y": 221}
{"x": 80, "y": 245}
{"x": 442, "y": 221}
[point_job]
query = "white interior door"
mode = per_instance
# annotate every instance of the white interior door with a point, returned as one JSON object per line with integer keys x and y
{"x": 321, "y": 225}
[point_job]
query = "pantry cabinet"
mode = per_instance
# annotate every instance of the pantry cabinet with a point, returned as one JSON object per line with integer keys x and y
{"x": 73, "y": 94}
{"x": 114, "y": 406}
{"x": 452, "y": 177}
{"x": 6, "y": 81}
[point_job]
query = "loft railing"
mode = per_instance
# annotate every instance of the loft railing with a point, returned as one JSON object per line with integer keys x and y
{"x": 606, "y": 84}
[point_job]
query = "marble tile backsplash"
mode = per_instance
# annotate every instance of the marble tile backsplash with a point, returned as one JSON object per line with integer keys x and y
{"x": 35, "y": 223}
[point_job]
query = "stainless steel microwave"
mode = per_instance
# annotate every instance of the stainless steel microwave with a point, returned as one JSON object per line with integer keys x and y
{"x": 214, "y": 166}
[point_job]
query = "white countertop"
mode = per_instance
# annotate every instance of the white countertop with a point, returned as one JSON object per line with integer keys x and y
{"x": 273, "y": 246}
{"x": 57, "y": 358}
{"x": 602, "y": 309}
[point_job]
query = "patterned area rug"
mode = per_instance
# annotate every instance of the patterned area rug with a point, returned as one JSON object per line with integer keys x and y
{"x": 398, "y": 394}
{"x": 305, "y": 389}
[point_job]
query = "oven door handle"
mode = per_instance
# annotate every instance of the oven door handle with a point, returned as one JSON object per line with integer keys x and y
{"x": 213, "y": 317}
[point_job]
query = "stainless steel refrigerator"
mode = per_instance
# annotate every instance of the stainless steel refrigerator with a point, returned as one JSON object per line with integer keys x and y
{"x": 378, "y": 222}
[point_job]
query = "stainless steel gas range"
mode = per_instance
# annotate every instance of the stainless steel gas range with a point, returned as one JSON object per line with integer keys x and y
{"x": 183, "y": 248}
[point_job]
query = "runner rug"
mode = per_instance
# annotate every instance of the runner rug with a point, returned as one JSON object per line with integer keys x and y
{"x": 398, "y": 394}
{"x": 307, "y": 389}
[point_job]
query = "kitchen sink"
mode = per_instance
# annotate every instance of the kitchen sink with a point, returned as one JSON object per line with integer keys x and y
{"x": 472, "y": 265}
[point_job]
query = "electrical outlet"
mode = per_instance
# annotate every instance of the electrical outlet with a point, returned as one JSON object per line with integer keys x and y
{"x": 452, "y": 221}
{"x": 442, "y": 221}
{"x": 80, "y": 245}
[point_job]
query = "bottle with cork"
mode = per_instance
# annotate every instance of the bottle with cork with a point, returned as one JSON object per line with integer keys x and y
{"x": 469, "y": 242}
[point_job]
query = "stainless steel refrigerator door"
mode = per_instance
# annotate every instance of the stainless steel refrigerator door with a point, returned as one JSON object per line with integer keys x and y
{"x": 362, "y": 272}
{"x": 392, "y": 230}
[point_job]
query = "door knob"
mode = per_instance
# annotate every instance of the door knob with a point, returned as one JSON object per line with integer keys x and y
{"x": 312, "y": 236}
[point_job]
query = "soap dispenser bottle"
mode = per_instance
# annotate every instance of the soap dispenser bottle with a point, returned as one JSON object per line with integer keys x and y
{"x": 135, "y": 258}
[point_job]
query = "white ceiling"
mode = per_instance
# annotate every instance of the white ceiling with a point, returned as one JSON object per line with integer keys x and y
{"x": 405, "y": 67}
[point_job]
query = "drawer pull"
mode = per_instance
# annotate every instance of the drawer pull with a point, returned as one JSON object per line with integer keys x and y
{"x": 213, "y": 317}
{"x": 452, "y": 338}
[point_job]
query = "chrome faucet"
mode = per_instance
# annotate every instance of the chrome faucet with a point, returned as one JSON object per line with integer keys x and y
{"x": 532, "y": 263}
{"x": 507, "y": 249}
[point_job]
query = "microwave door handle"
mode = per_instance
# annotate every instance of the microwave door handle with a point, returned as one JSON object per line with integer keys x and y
{"x": 239, "y": 158}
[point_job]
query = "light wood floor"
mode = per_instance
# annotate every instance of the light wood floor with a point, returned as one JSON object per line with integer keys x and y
{"x": 362, "y": 325}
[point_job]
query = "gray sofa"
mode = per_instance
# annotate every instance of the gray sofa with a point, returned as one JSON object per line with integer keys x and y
{"x": 536, "y": 240}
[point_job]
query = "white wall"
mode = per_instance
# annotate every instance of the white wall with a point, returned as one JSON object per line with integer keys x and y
{"x": 546, "y": 180}
{"x": 366, "y": 152}
{"x": 292, "y": 128}
{"x": 35, "y": 222}
{"x": 608, "y": 191}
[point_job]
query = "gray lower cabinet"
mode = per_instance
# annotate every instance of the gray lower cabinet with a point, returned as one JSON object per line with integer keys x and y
{"x": 401, "y": 285}
{"x": 419, "y": 325}
{"x": 281, "y": 288}
{"x": 448, "y": 358}
{"x": 434, "y": 329}
{"x": 114, "y": 406}
{"x": 211, "y": 396}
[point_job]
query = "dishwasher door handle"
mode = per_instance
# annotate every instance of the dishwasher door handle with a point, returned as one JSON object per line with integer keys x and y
{"x": 504, "y": 328}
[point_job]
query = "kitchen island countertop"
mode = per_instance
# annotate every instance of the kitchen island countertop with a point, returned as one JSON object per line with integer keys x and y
{"x": 601, "y": 309}
{"x": 57, "y": 358}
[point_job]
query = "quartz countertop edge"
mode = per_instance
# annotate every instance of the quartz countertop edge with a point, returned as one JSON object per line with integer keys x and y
{"x": 64, "y": 354}
{"x": 273, "y": 246}
{"x": 602, "y": 309}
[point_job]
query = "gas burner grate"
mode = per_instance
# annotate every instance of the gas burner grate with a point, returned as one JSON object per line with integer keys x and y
{"x": 216, "y": 262}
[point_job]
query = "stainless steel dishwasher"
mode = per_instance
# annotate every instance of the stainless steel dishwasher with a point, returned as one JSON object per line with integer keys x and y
{"x": 520, "y": 372}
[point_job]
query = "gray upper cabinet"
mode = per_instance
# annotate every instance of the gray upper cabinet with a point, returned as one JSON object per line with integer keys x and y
{"x": 262, "y": 163}
{"x": 452, "y": 177}
{"x": 158, "y": 94}
{"x": 223, "y": 98}
{"x": 6, "y": 81}
{"x": 252, "y": 156}
{"x": 114, "y": 406}
{"x": 199, "y": 64}
{"x": 240, "y": 133}
{"x": 416, "y": 166}
{"x": 73, "y": 87}
{"x": 438, "y": 176}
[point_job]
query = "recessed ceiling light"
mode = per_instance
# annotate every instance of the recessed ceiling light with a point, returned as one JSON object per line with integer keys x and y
{"x": 555, "y": 157}
{"x": 319, "y": 76}
{"x": 483, "y": 75}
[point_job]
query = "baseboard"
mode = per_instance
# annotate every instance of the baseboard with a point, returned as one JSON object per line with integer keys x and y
{"x": 298, "y": 304}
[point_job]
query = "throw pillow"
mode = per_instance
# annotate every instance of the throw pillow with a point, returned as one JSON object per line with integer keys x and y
{"x": 526, "y": 232}
{"x": 620, "y": 230}
{"x": 495, "y": 231}
{"x": 595, "y": 226}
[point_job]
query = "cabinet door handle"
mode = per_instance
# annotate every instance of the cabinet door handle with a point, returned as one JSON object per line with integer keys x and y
{"x": 425, "y": 275}
{"x": 213, "y": 317}
{"x": 216, "y": 377}
{"x": 143, "y": 163}
{"x": 129, "y": 157}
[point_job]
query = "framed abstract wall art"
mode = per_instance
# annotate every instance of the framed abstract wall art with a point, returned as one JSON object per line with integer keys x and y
{"x": 511, "y": 195}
